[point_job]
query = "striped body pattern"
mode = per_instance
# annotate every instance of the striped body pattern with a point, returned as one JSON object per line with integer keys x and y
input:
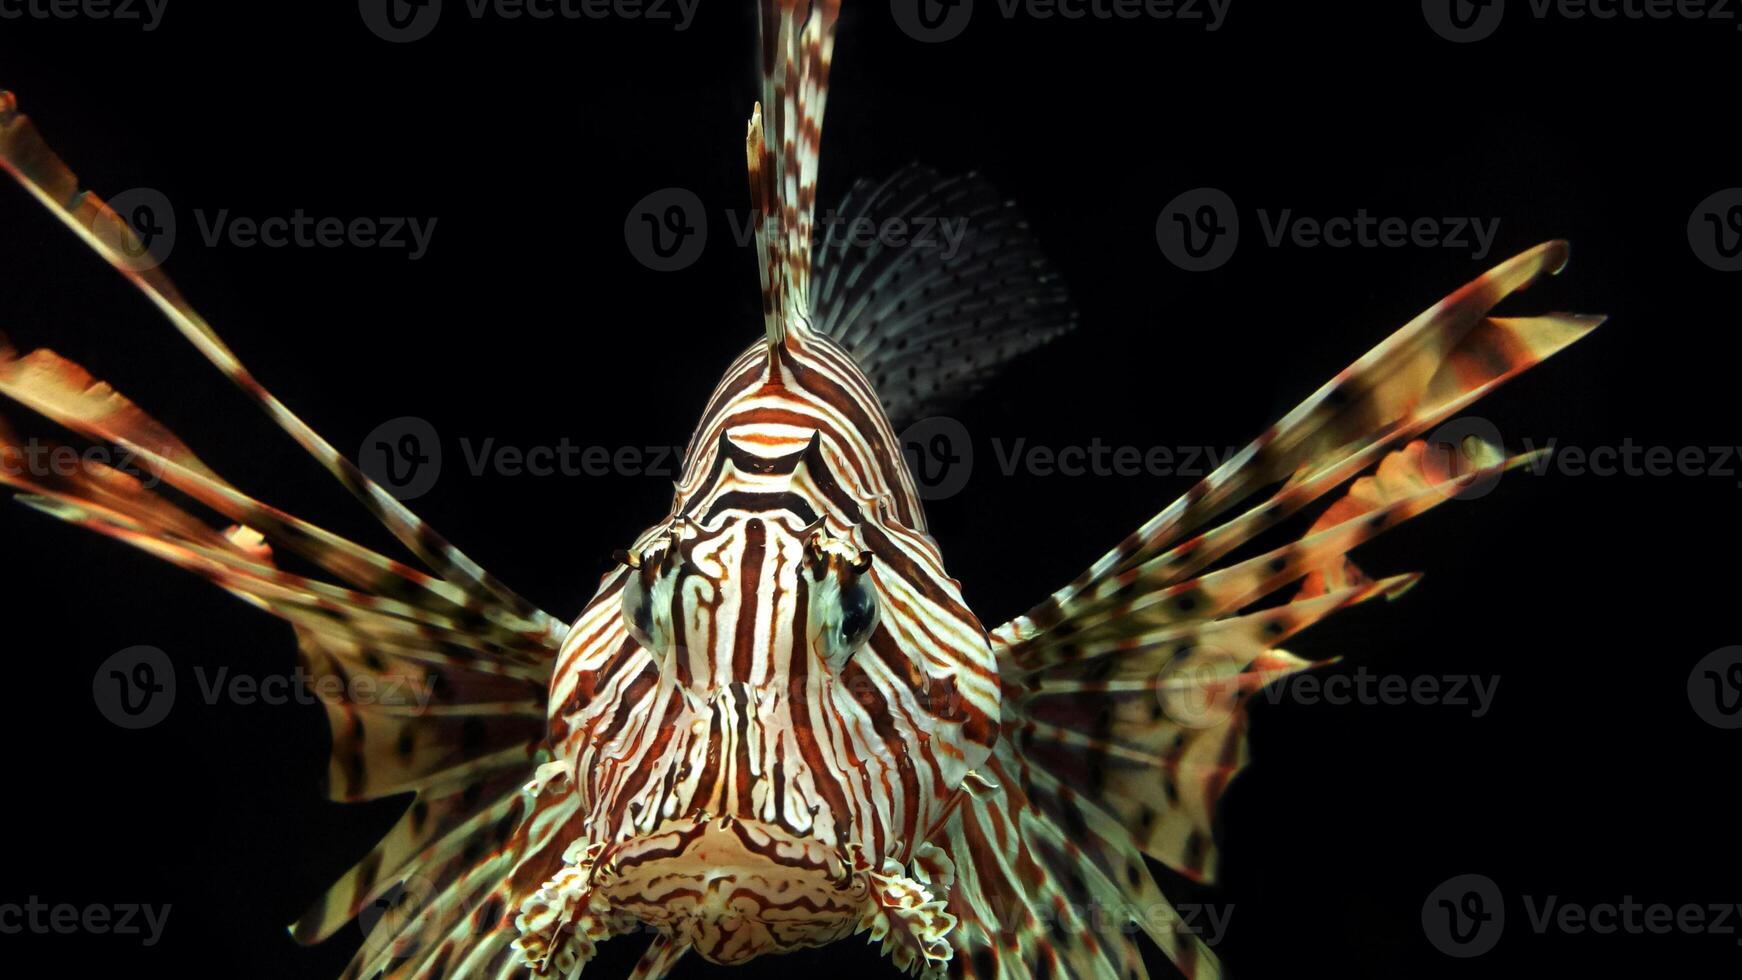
{"x": 776, "y": 723}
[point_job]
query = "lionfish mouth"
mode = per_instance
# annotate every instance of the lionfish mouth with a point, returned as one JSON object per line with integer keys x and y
{"x": 733, "y": 889}
{"x": 730, "y": 889}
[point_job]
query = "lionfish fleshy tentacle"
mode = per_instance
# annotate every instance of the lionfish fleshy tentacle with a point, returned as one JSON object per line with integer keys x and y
{"x": 1124, "y": 708}
{"x": 457, "y": 666}
{"x": 798, "y": 42}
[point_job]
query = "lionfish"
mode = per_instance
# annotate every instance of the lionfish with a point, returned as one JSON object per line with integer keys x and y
{"x": 777, "y": 723}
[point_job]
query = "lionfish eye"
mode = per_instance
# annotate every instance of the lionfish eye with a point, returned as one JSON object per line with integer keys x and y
{"x": 844, "y": 601}
{"x": 639, "y": 598}
{"x": 858, "y": 613}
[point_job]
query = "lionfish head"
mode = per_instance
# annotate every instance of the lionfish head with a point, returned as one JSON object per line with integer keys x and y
{"x": 781, "y": 723}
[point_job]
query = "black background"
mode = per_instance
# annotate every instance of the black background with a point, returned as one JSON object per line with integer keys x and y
{"x": 529, "y": 321}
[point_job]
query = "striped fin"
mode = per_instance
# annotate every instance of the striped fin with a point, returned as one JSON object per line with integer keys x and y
{"x": 456, "y": 665}
{"x": 457, "y": 722}
{"x": 25, "y": 155}
{"x": 931, "y": 322}
{"x": 455, "y": 914}
{"x": 1039, "y": 893}
{"x": 783, "y": 147}
{"x": 1403, "y": 475}
{"x": 1124, "y": 712}
{"x": 1432, "y": 368}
